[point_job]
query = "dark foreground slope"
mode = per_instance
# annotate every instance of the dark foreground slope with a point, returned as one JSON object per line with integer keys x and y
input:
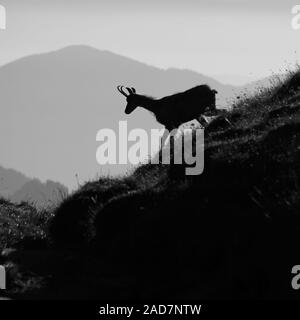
{"x": 232, "y": 232}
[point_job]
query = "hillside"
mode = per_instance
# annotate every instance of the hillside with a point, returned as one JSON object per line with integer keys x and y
{"x": 21, "y": 222}
{"x": 58, "y": 101}
{"x": 231, "y": 232}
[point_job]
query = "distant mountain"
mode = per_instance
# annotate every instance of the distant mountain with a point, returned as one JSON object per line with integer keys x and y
{"x": 53, "y": 104}
{"x": 40, "y": 194}
{"x": 11, "y": 181}
{"x": 16, "y": 187}
{"x": 234, "y": 79}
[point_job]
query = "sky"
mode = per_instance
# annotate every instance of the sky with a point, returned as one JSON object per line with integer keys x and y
{"x": 240, "y": 39}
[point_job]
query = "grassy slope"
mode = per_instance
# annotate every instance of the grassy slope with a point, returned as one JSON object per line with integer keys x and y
{"x": 20, "y": 223}
{"x": 230, "y": 232}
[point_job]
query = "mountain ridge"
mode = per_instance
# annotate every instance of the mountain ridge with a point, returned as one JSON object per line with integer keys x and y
{"x": 11, "y": 180}
{"x": 17, "y": 187}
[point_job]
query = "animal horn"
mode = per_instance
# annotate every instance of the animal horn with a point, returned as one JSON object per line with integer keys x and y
{"x": 120, "y": 89}
{"x": 129, "y": 90}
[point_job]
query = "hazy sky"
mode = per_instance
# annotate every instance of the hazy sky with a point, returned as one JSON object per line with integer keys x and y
{"x": 239, "y": 37}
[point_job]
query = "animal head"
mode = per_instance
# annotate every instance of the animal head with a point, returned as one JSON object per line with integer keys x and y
{"x": 131, "y": 98}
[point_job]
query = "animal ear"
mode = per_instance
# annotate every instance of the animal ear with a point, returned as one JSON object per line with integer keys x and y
{"x": 133, "y": 90}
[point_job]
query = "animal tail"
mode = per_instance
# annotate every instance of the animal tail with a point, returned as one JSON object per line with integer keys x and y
{"x": 215, "y": 91}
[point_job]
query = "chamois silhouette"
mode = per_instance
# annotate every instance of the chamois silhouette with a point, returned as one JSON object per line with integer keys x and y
{"x": 174, "y": 110}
